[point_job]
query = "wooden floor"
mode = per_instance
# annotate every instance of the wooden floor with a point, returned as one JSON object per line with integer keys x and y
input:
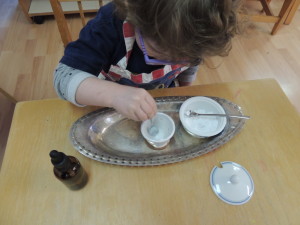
{"x": 30, "y": 52}
{"x": 256, "y": 55}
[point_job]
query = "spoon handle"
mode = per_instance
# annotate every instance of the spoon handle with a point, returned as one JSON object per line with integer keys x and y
{"x": 193, "y": 114}
{"x": 152, "y": 130}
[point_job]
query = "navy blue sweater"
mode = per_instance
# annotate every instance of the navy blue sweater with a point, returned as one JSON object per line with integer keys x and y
{"x": 101, "y": 44}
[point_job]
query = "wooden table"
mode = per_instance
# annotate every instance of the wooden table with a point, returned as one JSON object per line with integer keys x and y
{"x": 268, "y": 147}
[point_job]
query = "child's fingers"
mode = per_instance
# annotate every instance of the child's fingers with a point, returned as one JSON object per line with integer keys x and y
{"x": 148, "y": 109}
{"x": 134, "y": 103}
{"x": 150, "y": 106}
{"x": 140, "y": 115}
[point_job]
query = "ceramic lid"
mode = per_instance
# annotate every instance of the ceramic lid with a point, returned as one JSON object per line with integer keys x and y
{"x": 232, "y": 183}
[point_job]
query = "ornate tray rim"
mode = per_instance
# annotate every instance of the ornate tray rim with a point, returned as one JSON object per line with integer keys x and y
{"x": 160, "y": 159}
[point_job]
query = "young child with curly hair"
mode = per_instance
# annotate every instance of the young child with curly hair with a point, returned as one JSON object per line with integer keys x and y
{"x": 135, "y": 45}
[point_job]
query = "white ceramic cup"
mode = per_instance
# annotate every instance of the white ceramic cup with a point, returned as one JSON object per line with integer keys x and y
{"x": 165, "y": 127}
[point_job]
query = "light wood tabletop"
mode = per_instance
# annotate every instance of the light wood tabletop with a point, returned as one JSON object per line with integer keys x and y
{"x": 180, "y": 193}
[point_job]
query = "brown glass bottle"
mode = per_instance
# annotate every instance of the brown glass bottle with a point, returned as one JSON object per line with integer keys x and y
{"x": 68, "y": 170}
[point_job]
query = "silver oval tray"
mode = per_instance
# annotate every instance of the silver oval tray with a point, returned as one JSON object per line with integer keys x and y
{"x": 106, "y": 136}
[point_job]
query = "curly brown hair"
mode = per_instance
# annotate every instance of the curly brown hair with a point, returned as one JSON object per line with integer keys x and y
{"x": 185, "y": 29}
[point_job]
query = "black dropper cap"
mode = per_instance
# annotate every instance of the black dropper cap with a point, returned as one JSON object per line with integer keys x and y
{"x": 60, "y": 160}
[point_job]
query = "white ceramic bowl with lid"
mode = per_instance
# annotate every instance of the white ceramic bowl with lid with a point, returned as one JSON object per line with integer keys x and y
{"x": 202, "y": 126}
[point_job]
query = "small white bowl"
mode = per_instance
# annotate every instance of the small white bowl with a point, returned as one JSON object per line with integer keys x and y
{"x": 165, "y": 127}
{"x": 202, "y": 126}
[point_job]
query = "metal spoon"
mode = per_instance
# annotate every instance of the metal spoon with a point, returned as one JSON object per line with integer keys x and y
{"x": 191, "y": 113}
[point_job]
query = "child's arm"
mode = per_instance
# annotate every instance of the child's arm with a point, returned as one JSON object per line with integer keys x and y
{"x": 134, "y": 103}
{"x": 82, "y": 88}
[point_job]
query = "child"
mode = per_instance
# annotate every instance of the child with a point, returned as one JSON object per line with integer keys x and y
{"x": 141, "y": 45}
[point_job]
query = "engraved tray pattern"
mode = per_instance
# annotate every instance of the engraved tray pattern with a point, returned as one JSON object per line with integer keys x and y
{"x": 106, "y": 136}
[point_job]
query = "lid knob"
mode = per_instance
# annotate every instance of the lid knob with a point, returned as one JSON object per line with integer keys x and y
{"x": 234, "y": 179}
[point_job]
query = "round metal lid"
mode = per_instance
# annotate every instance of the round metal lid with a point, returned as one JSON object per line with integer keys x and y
{"x": 232, "y": 183}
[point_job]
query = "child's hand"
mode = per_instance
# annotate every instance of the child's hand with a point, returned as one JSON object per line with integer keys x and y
{"x": 134, "y": 103}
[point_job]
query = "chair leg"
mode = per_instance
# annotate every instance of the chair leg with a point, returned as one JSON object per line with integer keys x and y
{"x": 61, "y": 22}
{"x": 266, "y": 8}
{"x": 286, "y": 8}
{"x": 292, "y": 12}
